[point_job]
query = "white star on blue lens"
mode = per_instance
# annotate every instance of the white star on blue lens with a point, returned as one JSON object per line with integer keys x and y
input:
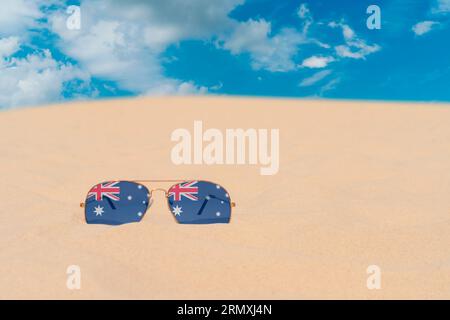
{"x": 177, "y": 211}
{"x": 98, "y": 211}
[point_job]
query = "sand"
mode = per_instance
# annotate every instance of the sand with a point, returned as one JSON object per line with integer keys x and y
{"x": 359, "y": 184}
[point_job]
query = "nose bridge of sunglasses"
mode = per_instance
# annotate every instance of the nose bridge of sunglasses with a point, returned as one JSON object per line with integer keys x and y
{"x": 166, "y": 194}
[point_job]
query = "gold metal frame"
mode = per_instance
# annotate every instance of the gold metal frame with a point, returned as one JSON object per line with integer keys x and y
{"x": 166, "y": 192}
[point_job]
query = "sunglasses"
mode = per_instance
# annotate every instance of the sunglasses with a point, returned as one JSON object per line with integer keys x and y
{"x": 191, "y": 202}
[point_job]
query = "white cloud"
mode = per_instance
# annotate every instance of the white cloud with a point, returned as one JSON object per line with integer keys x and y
{"x": 441, "y": 7}
{"x": 35, "y": 79}
{"x": 18, "y": 15}
{"x": 8, "y": 46}
{"x": 362, "y": 51}
{"x": 179, "y": 19}
{"x": 303, "y": 11}
{"x": 354, "y": 47}
{"x": 249, "y": 36}
{"x": 347, "y": 32}
{"x": 317, "y": 62}
{"x": 423, "y": 27}
{"x": 122, "y": 42}
{"x": 111, "y": 50}
{"x": 119, "y": 41}
{"x": 316, "y": 77}
{"x": 274, "y": 53}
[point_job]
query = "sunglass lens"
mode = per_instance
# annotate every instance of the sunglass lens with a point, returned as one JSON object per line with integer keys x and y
{"x": 116, "y": 202}
{"x": 199, "y": 202}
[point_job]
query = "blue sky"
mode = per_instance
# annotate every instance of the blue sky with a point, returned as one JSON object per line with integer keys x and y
{"x": 307, "y": 49}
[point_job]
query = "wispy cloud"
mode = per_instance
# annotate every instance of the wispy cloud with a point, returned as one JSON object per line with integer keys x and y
{"x": 305, "y": 16}
{"x": 354, "y": 47}
{"x": 423, "y": 27}
{"x": 441, "y": 7}
{"x": 271, "y": 52}
{"x": 330, "y": 85}
{"x": 316, "y": 77}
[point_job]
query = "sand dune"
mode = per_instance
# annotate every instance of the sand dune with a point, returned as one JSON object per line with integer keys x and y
{"x": 358, "y": 184}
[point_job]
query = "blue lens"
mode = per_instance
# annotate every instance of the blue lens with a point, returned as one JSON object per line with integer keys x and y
{"x": 116, "y": 202}
{"x": 199, "y": 202}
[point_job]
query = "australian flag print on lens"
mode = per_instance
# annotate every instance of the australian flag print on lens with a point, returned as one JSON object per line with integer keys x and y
{"x": 199, "y": 202}
{"x": 116, "y": 202}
